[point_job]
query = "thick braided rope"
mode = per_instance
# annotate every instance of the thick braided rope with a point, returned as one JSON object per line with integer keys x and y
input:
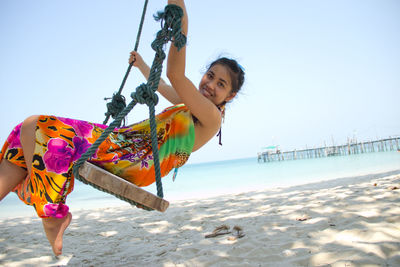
{"x": 117, "y": 103}
{"x": 145, "y": 93}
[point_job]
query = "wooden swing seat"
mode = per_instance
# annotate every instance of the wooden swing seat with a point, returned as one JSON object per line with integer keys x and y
{"x": 118, "y": 186}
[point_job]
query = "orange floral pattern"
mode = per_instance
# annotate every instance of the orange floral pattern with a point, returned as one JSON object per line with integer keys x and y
{"x": 126, "y": 152}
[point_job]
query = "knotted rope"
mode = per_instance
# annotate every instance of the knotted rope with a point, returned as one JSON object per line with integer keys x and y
{"x": 145, "y": 93}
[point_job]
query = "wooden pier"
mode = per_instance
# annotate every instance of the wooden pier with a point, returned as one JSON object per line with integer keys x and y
{"x": 387, "y": 144}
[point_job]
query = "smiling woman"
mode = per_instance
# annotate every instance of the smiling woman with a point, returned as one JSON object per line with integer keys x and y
{"x": 38, "y": 157}
{"x": 219, "y": 85}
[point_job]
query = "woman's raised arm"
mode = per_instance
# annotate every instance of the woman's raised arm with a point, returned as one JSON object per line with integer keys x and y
{"x": 165, "y": 89}
{"x": 202, "y": 108}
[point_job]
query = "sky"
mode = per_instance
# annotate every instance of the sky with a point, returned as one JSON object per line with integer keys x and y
{"x": 317, "y": 72}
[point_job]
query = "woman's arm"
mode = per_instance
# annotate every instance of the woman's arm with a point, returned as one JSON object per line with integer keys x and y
{"x": 165, "y": 90}
{"x": 203, "y": 109}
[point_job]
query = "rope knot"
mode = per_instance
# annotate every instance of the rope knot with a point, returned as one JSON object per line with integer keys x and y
{"x": 116, "y": 105}
{"x": 171, "y": 30}
{"x": 145, "y": 95}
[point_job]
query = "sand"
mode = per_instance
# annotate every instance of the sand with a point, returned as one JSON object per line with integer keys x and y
{"x": 352, "y": 221}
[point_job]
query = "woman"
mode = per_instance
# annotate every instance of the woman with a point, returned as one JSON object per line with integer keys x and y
{"x": 51, "y": 145}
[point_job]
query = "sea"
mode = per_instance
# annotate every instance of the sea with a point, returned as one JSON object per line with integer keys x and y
{"x": 212, "y": 179}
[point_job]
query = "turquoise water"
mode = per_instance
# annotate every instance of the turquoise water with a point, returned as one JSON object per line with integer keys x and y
{"x": 233, "y": 176}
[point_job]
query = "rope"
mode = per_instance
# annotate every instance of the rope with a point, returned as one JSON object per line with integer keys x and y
{"x": 145, "y": 93}
{"x": 117, "y": 103}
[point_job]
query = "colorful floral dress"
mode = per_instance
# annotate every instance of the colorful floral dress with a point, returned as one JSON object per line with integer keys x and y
{"x": 126, "y": 152}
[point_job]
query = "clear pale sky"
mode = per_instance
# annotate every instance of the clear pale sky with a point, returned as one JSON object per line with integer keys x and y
{"x": 316, "y": 71}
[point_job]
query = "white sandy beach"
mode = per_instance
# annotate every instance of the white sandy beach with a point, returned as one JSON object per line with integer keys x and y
{"x": 352, "y": 221}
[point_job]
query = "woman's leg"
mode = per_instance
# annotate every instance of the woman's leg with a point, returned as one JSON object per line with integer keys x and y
{"x": 10, "y": 176}
{"x": 53, "y": 227}
{"x": 28, "y": 138}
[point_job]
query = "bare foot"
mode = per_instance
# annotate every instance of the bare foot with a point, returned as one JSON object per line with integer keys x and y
{"x": 54, "y": 229}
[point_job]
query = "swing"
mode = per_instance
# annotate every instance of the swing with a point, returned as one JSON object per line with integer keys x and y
{"x": 99, "y": 178}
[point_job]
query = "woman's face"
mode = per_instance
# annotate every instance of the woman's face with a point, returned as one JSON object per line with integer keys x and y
{"x": 216, "y": 84}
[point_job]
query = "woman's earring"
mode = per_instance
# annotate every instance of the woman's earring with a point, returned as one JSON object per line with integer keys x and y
{"x": 221, "y": 107}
